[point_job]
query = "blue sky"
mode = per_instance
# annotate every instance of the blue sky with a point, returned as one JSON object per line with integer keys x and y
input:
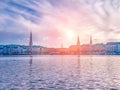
{"x": 59, "y": 21}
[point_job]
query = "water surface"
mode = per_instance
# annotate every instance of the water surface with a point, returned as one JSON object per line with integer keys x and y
{"x": 60, "y": 72}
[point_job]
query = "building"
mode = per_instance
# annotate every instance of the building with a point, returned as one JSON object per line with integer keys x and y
{"x": 1, "y": 49}
{"x": 12, "y": 50}
{"x": 110, "y": 48}
{"x": 75, "y": 49}
{"x": 113, "y": 48}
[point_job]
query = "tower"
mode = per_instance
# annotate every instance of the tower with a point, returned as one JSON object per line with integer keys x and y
{"x": 78, "y": 41}
{"x": 78, "y": 46}
{"x": 90, "y": 40}
{"x": 30, "y": 42}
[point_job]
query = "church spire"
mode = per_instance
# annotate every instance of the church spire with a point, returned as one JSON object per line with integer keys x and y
{"x": 90, "y": 40}
{"x": 30, "y": 42}
{"x": 78, "y": 41}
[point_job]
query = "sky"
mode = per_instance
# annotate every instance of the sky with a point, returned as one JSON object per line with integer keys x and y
{"x": 56, "y": 22}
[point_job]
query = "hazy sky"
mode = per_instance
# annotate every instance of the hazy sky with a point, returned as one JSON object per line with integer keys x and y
{"x": 59, "y": 21}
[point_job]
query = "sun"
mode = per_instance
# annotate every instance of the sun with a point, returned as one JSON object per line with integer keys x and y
{"x": 70, "y": 34}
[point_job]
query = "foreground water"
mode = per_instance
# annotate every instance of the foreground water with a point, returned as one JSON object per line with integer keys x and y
{"x": 60, "y": 72}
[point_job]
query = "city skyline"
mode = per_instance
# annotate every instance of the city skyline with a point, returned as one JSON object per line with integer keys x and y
{"x": 54, "y": 22}
{"x": 59, "y": 44}
{"x": 30, "y": 42}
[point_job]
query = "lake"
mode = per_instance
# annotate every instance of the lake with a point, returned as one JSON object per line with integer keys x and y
{"x": 60, "y": 72}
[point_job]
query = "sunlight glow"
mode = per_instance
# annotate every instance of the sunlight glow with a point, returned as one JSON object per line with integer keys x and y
{"x": 70, "y": 34}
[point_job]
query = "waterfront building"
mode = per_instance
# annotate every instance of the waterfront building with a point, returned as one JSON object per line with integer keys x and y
{"x": 99, "y": 49}
{"x": 37, "y": 49}
{"x": 12, "y": 49}
{"x": 110, "y": 48}
{"x": 85, "y": 49}
{"x": 1, "y": 49}
{"x": 75, "y": 49}
{"x": 113, "y": 48}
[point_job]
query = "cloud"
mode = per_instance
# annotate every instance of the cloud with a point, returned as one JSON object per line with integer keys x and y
{"x": 49, "y": 20}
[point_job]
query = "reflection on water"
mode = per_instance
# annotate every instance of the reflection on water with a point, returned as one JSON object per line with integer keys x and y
{"x": 31, "y": 86}
{"x": 66, "y": 72}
